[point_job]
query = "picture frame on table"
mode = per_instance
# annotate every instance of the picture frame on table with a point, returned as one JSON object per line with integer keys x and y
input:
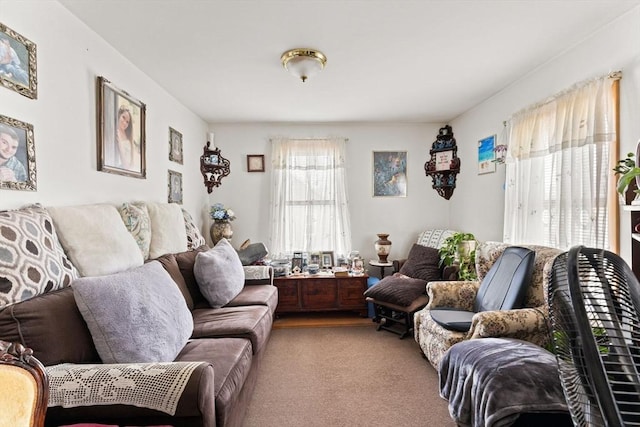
{"x": 174, "y": 187}
{"x": 255, "y": 162}
{"x": 315, "y": 258}
{"x": 296, "y": 262}
{"x": 389, "y": 174}
{"x": 121, "y": 131}
{"x": 327, "y": 260}
{"x": 19, "y": 72}
{"x": 486, "y": 155}
{"x": 18, "y": 171}
{"x": 175, "y": 146}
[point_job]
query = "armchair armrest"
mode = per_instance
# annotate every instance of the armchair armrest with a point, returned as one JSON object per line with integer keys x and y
{"x": 258, "y": 275}
{"x": 455, "y": 294}
{"x": 397, "y": 264}
{"x": 529, "y": 324}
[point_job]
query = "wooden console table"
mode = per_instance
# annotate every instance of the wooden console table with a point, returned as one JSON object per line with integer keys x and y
{"x": 321, "y": 293}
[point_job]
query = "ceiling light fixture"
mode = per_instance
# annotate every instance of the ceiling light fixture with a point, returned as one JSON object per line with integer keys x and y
{"x": 303, "y": 62}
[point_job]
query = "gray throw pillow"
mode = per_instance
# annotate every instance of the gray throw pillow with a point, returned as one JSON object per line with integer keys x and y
{"x": 136, "y": 316}
{"x": 219, "y": 273}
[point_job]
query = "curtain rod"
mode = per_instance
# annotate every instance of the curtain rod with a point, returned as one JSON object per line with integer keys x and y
{"x": 614, "y": 75}
{"x": 311, "y": 139}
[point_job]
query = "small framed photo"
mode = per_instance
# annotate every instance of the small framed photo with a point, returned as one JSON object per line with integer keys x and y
{"x": 17, "y": 155}
{"x": 443, "y": 160}
{"x": 18, "y": 63}
{"x": 121, "y": 132}
{"x": 315, "y": 258}
{"x": 296, "y": 261}
{"x": 486, "y": 155}
{"x": 255, "y": 162}
{"x": 389, "y": 174}
{"x": 175, "y": 187}
{"x": 327, "y": 260}
{"x": 212, "y": 159}
{"x": 175, "y": 146}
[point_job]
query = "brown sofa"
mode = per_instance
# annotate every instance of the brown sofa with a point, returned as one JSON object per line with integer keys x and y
{"x": 229, "y": 343}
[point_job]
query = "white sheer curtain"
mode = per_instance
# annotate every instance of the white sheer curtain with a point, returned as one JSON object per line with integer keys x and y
{"x": 309, "y": 203}
{"x": 558, "y": 168}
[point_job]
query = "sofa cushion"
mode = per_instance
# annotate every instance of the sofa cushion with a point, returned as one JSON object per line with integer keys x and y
{"x": 96, "y": 239}
{"x": 195, "y": 239}
{"x": 168, "y": 234}
{"x": 397, "y": 289}
{"x": 32, "y": 260}
{"x": 219, "y": 273}
{"x": 422, "y": 263}
{"x": 51, "y": 325}
{"x": 170, "y": 264}
{"x": 137, "y": 315}
{"x": 256, "y": 295}
{"x": 136, "y": 219}
{"x": 252, "y": 322}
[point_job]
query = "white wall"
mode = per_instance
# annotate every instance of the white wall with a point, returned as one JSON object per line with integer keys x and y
{"x": 69, "y": 57}
{"x": 480, "y": 205}
{"x": 248, "y": 194}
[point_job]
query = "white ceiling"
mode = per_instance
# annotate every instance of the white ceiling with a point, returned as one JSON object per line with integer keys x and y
{"x": 387, "y": 60}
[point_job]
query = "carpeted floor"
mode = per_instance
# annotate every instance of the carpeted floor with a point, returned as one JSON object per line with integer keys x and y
{"x": 345, "y": 376}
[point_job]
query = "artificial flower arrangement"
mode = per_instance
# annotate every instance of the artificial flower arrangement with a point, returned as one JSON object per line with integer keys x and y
{"x": 220, "y": 213}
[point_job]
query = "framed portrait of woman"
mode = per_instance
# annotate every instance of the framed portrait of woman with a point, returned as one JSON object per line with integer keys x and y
{"x": 121, "y": 131}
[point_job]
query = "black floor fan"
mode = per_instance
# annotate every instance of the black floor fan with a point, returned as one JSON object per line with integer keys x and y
{"x": 594, "y": 301}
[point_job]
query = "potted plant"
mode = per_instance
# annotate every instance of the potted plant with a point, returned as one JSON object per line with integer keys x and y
{"x": 627, "y": 184}
{"x": 460, "y": 249}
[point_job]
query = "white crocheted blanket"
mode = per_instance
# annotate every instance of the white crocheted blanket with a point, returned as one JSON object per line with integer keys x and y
{"x": 148, "y": 385}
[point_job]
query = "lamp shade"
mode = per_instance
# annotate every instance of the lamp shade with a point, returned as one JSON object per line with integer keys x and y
{"x": 303, "y": 62}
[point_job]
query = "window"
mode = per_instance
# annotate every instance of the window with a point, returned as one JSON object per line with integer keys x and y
{"x": 558, "y": 168}
{"x": 309, "y": 197}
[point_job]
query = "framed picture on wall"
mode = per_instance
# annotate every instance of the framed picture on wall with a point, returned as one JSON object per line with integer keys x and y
{"x": 175, "y": 146}
{"x": 389, "y": 174}
{"x": 17, "y": 155}
{"x": 18, "y": 63}
{"x": 175, "y": 187}
{"x": 255, "y": 162}
{"x": 486, "y": 155}
{"x": 121, "y": 131}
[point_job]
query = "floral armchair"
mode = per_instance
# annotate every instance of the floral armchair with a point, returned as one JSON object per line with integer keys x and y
{"x": 529, "y": 323}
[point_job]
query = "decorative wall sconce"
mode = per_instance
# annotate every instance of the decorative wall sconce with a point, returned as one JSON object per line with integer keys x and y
{"x": 213, "y": 166}
{"x": 501, "y": 153}
{"x": 444, "y": 164}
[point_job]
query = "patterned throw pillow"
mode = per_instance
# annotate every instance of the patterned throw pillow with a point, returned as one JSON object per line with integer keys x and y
{"x": 434, "y": 238}
{"x": 136, "y": 218}
{"x": 195, "y": 239}
{"x": 32, "y": 260}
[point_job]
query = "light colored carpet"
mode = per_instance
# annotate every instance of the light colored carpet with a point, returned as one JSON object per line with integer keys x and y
{"x": 345, "y": 376}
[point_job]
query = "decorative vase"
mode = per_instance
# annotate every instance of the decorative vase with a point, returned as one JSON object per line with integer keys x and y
{"x": 220, "y": 229}
{"x": 383, "y": 247}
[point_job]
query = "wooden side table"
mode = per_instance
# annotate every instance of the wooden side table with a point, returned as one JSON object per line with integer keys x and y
{"x": 320, "y": 292}
{"x": 381, "y": 265}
